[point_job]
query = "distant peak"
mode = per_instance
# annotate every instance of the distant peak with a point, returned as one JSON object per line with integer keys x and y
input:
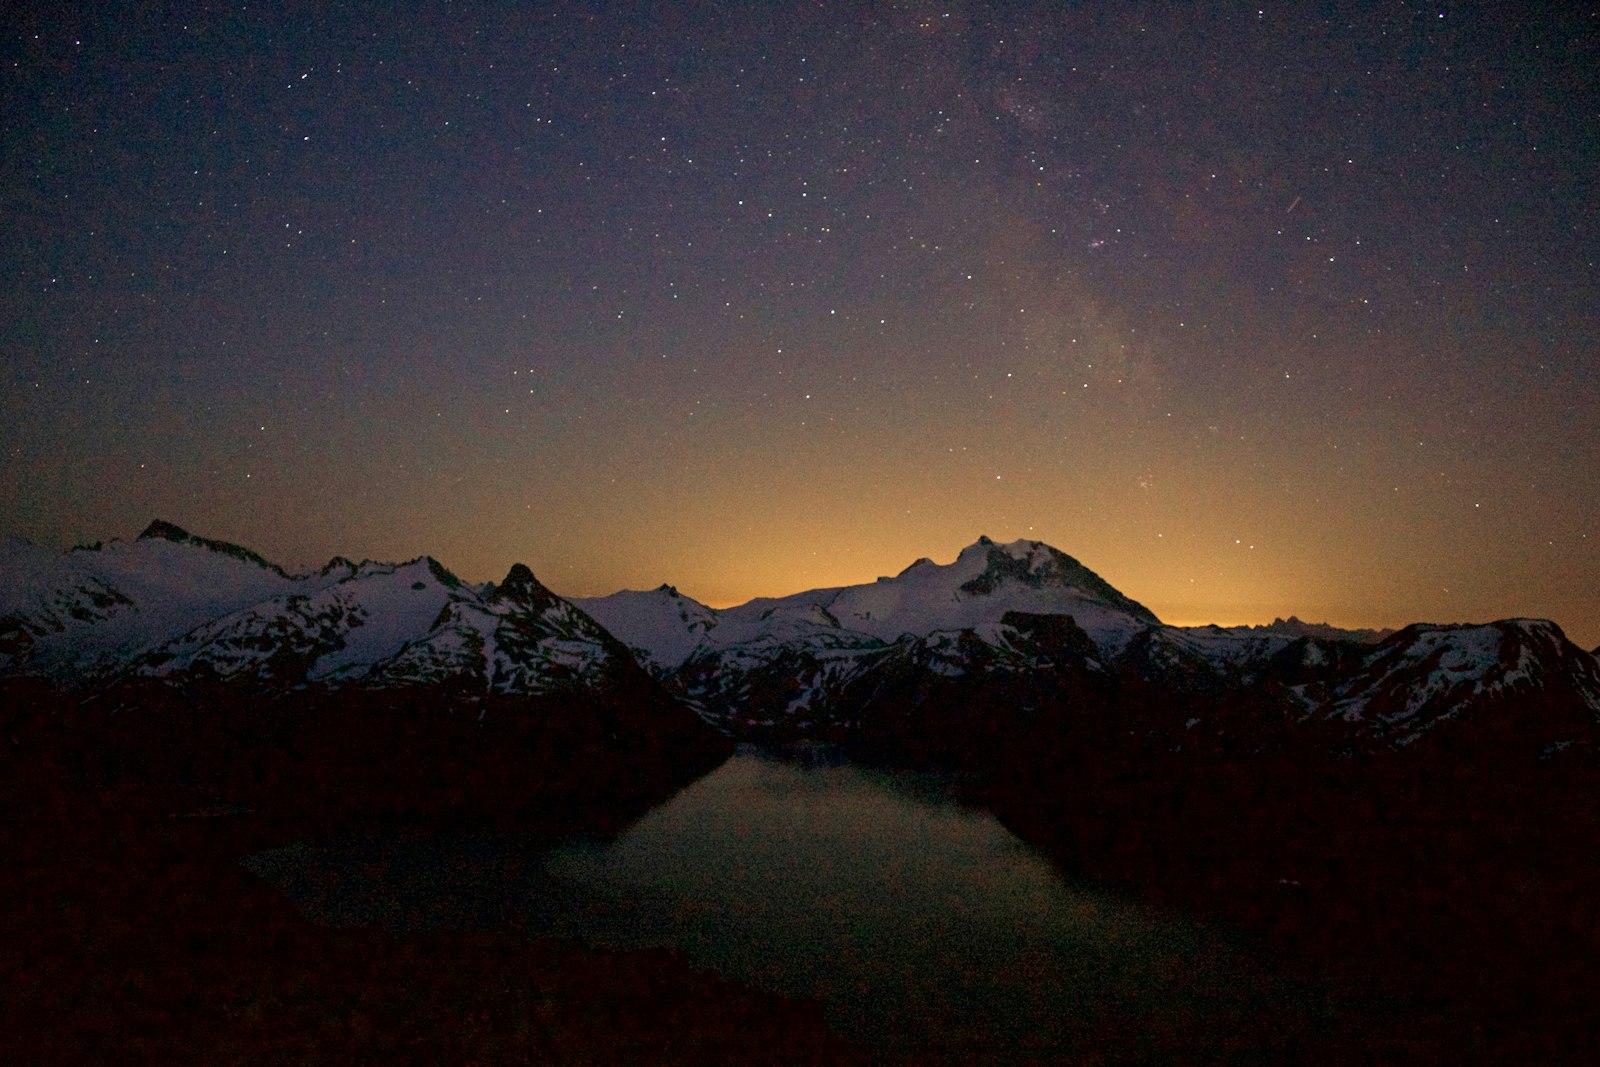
{"x": 161, "y": 530}
{"x": 923, "y": 562}
{"x": 984, "y": 540}
{"x": 1296, "y": 627}
{"x": 521, "y": 586}
{"x": 670, "y": 590}
{"x": 1036, "y": 564}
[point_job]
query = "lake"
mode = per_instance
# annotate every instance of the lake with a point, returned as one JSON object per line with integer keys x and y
{"x": 915, "y": 920}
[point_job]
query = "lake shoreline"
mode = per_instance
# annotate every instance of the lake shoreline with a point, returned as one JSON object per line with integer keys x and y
{"x": 882, "y": 893}
{"x": 133, "y": 935}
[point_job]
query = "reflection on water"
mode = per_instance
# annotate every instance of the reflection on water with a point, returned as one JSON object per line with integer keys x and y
{"x": 909, "y": 916}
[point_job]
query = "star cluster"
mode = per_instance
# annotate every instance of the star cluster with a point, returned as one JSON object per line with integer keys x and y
{"x": 1254, "y": 310}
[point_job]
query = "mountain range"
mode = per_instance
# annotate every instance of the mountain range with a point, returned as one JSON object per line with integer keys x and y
{"x": 1029, "y": 623}
{"x": 1407, "y": 814}
{"x": 939, "y": 650}
{"x": 362, "y": 687}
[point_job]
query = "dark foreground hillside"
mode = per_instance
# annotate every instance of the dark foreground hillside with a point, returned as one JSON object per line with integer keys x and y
{"x": 1444, "y": 900}
{"x": 329, "y": 755}
{"x": 1444, "y": 894}
{"x": 131, "y": 935}
{"x": 1451, "y": 908}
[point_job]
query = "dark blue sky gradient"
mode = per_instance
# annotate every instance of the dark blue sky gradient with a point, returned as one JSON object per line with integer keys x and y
{"x": 1254, "y": 310}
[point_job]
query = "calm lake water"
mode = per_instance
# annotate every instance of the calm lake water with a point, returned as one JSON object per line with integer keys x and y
{"x": 912, "y": 918}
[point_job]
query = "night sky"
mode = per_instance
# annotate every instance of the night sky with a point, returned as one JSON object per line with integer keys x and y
{"x": 1254, "y": 310}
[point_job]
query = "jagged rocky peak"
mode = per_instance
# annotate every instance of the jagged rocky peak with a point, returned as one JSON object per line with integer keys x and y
{"x": 161, "y": 530}
{"x": 521, "y": 586}
{"x": 338, "y": 564}
{"x": 1296, "y": 627}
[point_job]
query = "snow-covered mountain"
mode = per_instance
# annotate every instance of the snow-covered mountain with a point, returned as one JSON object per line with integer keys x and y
{"x": 823, "y": 659}
{"x": 176, "y": 608}
{"x": 661, "y": 625}
{"x": 807, "y": 661}
{"x": 1423, "y": 677}
{"x": 794, "y": 661}
{"x": 1003, "y": 624}
{"x": 83, "y": 614}
{"x": 985, "y": 581}
{"x": 355, "y": 690}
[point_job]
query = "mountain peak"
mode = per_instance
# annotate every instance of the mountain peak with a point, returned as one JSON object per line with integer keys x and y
{"x": 1038, "y": 565}
{"x": 161, "y": 530}
{"x": 521, "y": 586}
{"x": 520, "y": 575}
{"x": 166, "y": 531}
